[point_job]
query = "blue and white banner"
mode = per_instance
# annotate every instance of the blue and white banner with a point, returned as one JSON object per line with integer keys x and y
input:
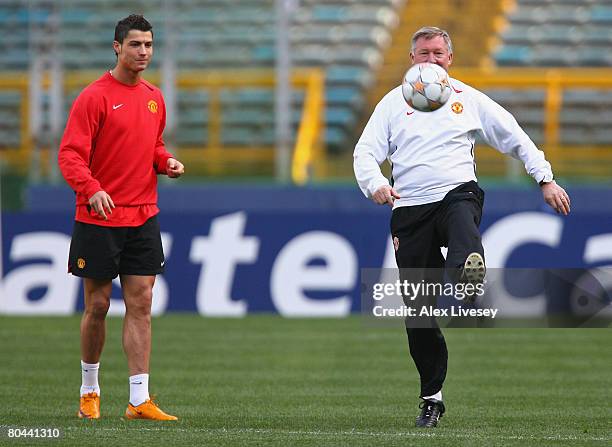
{"x": 296, "y": 263}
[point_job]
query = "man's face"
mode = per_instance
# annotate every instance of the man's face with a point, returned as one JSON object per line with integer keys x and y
{"x": 136, "y": 50}
{"x": 432, "y": 50}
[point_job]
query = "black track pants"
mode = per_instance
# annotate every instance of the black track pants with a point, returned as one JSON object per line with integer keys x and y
{"x": 419, "y": 232}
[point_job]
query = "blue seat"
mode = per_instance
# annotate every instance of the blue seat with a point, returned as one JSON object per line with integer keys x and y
{"x": 8, "y": 118}
{"x": 588, "y": 97}
{"x": 513, "y": 55}
{"x": 335, "y": 136}
{"x": 191, "y": 136}
{"x": 516, "y": 35}
{"x": 338, "y": 115}
{"x": 253, "y": 116}
{"x": 594, "y": 56}
{"x": 337, "y": 74}
{"x": 344, "y": 95}
{"x": 264, "y": 53}
{"x": 598, "y": 35}
{"x": 249, "y": 96}
{"x": 328, "y": 13}
{"x": 192, "y": 116}
{"x": 15, "y": 59}
{"x": 77, "y": 17}
{"x": 602, "y": 14}
{"x": 36, "y": 16}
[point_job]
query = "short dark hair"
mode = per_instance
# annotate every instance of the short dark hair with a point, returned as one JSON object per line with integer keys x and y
{"x": 133, "y": 21}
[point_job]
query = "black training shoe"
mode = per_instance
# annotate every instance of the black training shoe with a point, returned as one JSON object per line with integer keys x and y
{"x": 474, "y": 271}
{"x": 431, "y": 412}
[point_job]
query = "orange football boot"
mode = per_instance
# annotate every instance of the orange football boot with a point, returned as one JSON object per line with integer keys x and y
{"x": 89, "y": 407}
{"x": 148, "y": 410}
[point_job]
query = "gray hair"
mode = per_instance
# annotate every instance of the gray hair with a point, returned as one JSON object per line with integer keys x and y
{"x": 429, "y": 32}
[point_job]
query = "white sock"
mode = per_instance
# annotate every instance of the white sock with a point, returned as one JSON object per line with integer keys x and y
{"x": 437, "y": 396}
{"x": 89, "y": 378}
{"x": 139, "y": 389}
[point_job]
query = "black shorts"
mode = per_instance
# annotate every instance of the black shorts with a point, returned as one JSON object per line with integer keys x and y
{"x": 419, "y": 231}
{"x": 99, "y": 252}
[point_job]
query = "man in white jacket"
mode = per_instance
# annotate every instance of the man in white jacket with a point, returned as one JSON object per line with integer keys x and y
{"x": 433, "y": 191}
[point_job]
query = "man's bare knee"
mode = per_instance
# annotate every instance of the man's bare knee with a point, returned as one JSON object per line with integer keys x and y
{"x": 97, "y": 305}
{"x": 138, "y": 294}
{"x": 97, "y": 298}
{"x": 138, "y": 302}
{"x": 141, "y": 309}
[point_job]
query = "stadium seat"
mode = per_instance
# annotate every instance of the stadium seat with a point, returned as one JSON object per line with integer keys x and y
{"x": 191, "y": 136}
{"x": 344, "y": 95}
{"x": 571, "y": 27}
{"x": 513, "y": 55}
{"x": 343, "y": 37}
{"x": 561, "y": 33}
{"x": 602, "y": 14}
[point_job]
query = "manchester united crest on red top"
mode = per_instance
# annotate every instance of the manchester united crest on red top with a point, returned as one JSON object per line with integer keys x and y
{"x": 152, "y": 106}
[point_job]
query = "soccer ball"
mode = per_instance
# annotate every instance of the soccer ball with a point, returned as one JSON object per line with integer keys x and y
{"x": 425, "y": 87}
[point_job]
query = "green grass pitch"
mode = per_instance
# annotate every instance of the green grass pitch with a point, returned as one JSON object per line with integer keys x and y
{"x": 264, "y": 380}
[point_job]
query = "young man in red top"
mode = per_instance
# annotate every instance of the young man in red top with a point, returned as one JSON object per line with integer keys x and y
{"x": 110, "y": 154}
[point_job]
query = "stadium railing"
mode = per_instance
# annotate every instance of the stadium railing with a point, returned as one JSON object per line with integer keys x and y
{"x": 591, "y": 159}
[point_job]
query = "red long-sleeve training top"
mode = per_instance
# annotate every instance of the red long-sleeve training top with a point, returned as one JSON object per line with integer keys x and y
{"x": 113, "y": 142}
